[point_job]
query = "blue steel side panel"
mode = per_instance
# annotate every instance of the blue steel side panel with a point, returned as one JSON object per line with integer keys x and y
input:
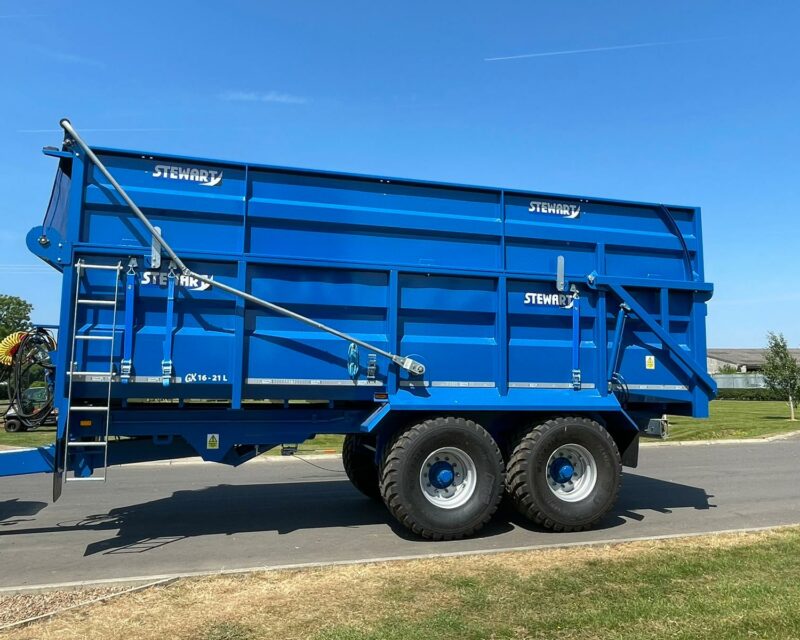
{"x": 638, "y": 244}
{"x": 444, "y": 273}
{"x": 280, "y": 351}
{"x": 377, "y": 222}
{"x": 540, "y": 342}
{"x": 203, "y": 336}
{"x": 192, "y": 215}
{"x": 448, "y": 323}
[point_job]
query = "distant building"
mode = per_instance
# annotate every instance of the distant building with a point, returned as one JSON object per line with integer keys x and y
{"x": 744, "y": 360}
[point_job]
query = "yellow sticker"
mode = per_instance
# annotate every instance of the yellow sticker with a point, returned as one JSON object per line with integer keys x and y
{"x": 649, "y": 362}
{"x": 212, "y": 441}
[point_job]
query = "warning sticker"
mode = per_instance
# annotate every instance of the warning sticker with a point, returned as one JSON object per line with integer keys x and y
{"x": 649, "y": 362}
{"x": 212, "y": 441}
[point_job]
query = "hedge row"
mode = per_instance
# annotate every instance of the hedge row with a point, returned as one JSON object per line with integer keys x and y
{"x": 749, "y": 394}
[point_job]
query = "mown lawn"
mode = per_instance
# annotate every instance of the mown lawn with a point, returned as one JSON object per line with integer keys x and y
{"x": 714, "y": 587}
{"x": 36, "y": 438}
{"x": 735, "y": 419}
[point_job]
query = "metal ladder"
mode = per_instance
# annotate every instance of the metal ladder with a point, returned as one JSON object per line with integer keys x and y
{"x": 93, "y": 376}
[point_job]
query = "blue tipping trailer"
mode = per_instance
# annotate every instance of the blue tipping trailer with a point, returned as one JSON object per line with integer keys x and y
{"x": 466, "y": 340}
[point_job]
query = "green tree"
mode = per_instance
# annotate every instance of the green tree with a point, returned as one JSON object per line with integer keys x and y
{"x": 781, "y": 371}
{"x": 15, "y": 315}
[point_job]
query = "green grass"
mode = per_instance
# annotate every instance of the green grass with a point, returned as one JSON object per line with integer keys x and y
{"x": 735, "y": 419}
{"x": 749, "y": 591}
{"x": 37, "y": 438}
{"x": 228, "y": 631}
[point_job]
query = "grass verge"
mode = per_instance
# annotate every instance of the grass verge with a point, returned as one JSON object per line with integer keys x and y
{"x": 735, "y": 419}
{"x": 726, "y": 586}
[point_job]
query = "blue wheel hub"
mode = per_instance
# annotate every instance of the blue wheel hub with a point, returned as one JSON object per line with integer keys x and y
{"x": 441, "y": 474}
{"x": 561, "y": 470}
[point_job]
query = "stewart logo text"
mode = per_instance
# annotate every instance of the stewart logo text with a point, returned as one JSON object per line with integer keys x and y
{"x": 206, "y": 177}
{"x": 161, "y": 279}
{"x": 549, "y": 299}
{"x": 555, "y": 208}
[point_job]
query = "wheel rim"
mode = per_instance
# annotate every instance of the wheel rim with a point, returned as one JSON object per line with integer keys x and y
{"x": 571, "y": 472}
{"x": 448, "y": 477}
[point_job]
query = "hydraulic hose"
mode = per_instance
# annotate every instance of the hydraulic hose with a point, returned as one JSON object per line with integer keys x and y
{"x": 9, "y": 346}
{"x": 417, "y": 368}
{"x": 28, "y": 351}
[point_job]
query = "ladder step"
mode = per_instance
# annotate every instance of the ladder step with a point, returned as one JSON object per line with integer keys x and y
{"x": 88, "y": 408}
{"x": 76, "y": 443}
{"x": 99, "y": 303}
{"x": 85, "y": 337}
{"x": 101, "y": 267}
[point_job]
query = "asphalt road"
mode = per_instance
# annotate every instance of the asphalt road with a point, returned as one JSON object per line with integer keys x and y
{"x": 199, "y": 517}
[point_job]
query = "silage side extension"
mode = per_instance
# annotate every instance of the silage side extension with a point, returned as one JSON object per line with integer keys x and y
{"x": 467, "y": 340}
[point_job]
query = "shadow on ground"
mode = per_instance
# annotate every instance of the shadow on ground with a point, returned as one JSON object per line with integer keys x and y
{"x": 16, "y": 511}
{"x": 638, "y": 494}
{"x": 285, "y": 507}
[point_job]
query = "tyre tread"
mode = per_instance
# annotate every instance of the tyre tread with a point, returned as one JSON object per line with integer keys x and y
{"x": 517, "y": 472}
{"x": 363, "y": 474}
{"x": 390, "y": 471}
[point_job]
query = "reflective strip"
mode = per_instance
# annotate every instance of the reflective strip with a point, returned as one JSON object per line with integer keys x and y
{"x": 461, "y": 383}
{"x": 154, "y": 379}
{"x": 548, "y": 385}
{"x": 103, "y": 377}
{"x": 316, "y": 383}
{"x": 657, "y": 387}
{"x": 447, "y": 383}
{"x": 80, "y": 376}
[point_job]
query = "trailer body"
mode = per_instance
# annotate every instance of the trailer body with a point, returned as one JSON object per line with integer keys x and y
{"x": 518, "y": 303}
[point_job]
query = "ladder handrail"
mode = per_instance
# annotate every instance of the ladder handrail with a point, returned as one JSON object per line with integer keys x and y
{"x": 405, "y": 362}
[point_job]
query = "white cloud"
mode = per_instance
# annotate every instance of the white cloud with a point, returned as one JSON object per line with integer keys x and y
{"x": 65, "y": 57}
{"x": 258, "y": 96}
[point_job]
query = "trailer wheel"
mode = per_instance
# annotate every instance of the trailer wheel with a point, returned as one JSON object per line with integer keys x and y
{"x": 13, "y": 425}
{"x": 443, "y": 478}
{"x": 359, "y": 464}
{"x": 564, "y": 474}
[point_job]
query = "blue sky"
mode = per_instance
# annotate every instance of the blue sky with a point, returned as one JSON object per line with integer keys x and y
{"x": 687, "y": 102}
